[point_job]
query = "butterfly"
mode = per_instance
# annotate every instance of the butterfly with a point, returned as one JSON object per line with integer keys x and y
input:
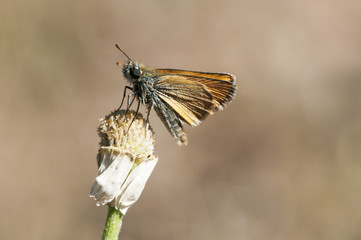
{"x": 177, "y": 95}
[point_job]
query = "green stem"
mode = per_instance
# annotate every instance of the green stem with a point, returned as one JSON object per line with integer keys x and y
{"x": 112, "y": 224}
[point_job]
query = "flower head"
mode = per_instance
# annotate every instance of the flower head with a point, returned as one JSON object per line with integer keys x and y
{"x": 125, "y": 159}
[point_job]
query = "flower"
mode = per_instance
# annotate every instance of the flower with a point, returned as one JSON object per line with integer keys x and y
{"x": 125, "y": 159}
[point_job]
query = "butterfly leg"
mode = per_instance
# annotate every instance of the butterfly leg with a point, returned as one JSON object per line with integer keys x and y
{"x": 124, "y": 94}
{"x": 136, "y": 114}
{"x": 148, "y": 114}
{"x": 129, "y": 104}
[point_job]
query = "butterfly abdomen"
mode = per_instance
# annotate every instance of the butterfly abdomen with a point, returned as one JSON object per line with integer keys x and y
{"x": 170, "y": 120}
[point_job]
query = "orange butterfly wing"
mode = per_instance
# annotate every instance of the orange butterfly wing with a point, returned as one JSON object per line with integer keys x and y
{"x": 194, "y": 95}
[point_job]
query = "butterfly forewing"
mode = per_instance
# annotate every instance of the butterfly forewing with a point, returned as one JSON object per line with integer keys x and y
{"x": 199, "y": 92}
{"x": 221, "y": 91}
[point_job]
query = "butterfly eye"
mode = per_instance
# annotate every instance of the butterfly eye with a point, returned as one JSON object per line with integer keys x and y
{"x": 135, "y": 72}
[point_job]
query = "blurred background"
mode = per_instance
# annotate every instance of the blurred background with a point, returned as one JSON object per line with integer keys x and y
{"x": 282, "y": 161}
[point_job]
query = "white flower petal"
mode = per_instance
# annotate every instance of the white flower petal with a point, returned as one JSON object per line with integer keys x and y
{"x": 108, "y": 184}
{"x": 134, "y": 185}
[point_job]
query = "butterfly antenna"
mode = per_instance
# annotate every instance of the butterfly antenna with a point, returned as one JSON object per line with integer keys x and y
{"x": 117, "y": 46}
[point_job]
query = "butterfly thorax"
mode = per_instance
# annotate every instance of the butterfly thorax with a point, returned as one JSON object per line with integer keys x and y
{"x": 142, "y": 80}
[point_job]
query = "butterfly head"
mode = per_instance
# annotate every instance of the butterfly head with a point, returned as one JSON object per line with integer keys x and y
{"x": 132, "y": 71}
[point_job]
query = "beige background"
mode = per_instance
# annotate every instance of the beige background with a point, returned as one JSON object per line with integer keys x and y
{"x": 280, "y": 162}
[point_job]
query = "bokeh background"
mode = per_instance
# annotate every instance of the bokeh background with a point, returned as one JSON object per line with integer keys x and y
{"x": 282, "y": 161}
